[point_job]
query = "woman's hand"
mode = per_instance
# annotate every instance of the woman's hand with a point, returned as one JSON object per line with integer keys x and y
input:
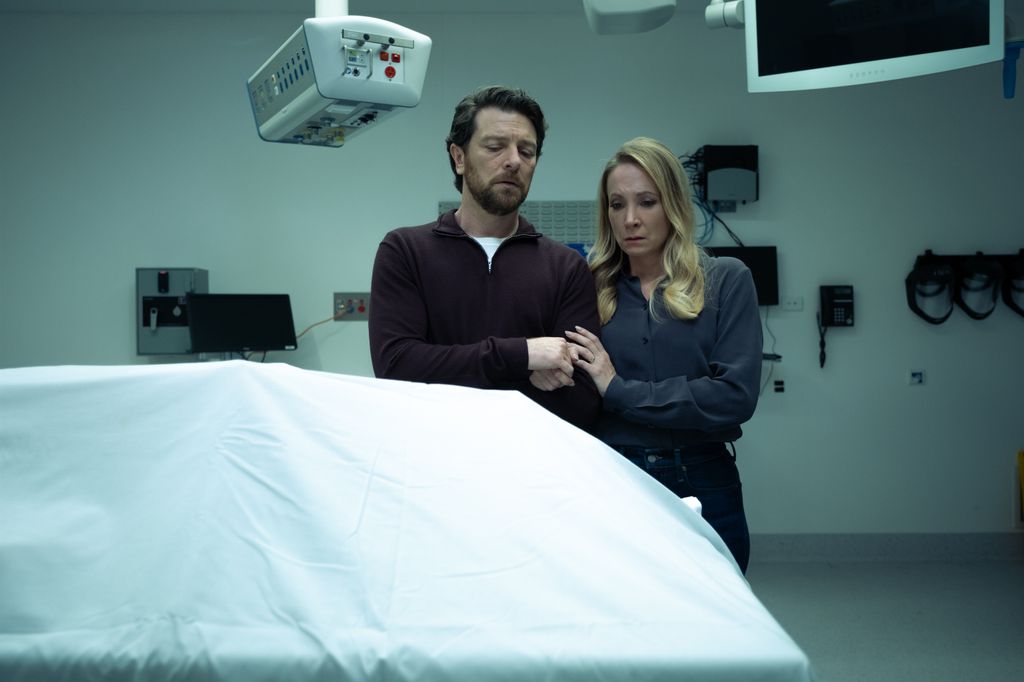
{"x": 592, "y": 357}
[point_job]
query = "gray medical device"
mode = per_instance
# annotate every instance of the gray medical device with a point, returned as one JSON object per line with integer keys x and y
{"x": 730, "y": 173}
{"x": 337, "y": 76}
{"x": 161, "y": 308}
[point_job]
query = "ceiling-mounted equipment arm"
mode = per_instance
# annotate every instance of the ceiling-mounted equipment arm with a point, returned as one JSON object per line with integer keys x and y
{"x": 331, "y": 8}
{"x": 724, "y": 14}
{"x": 337, "y": 76}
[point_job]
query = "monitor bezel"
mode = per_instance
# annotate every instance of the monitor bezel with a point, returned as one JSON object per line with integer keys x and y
{"x": 763, "y": 263}
{"x": 285, "y": 340}
{"x": 875, "y": 71}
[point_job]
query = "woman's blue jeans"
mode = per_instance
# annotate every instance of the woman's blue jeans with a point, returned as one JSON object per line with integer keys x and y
{"x": 707, "y": 472}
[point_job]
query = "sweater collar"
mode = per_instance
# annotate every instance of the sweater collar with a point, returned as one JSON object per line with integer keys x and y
{"x": 447, "y": 226}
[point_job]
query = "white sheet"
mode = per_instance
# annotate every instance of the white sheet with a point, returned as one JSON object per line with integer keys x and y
{"x": 236, "y": 521}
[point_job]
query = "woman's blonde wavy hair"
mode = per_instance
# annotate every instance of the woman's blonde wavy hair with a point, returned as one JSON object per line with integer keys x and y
{"x": 682, "y": 288}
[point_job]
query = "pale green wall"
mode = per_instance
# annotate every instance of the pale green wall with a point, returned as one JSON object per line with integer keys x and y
{"x": 127, "y": 141}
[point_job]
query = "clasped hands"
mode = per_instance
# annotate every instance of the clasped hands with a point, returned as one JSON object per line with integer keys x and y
{"x": 553, "y": 359}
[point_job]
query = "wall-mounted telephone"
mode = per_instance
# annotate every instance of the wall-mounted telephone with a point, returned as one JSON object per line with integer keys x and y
{"x": 836, "y": 311}
{"x": 837, "y": 306}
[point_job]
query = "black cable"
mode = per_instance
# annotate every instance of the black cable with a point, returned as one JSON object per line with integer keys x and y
{"x": 731, "y": 233}
{"x": 771, "y": 356}
{"x": 693, "y": 165}
{"x": 707, "y": 225}
{"x": 767, "y": 309}
{"x": 767, "y": 380}
{"x": 821, "y": 340}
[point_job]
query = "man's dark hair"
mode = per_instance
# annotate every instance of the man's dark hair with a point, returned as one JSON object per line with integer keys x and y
{"x": 499, "y": 97}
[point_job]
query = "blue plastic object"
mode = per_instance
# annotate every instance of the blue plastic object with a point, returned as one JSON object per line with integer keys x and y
{"x": 1010, "y": 67}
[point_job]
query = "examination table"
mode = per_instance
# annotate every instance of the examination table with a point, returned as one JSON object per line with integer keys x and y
{"x": 250, "y": 522}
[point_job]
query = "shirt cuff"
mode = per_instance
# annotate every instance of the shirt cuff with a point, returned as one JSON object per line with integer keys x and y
{"x": 615, "y": 395}
{"x": 516, "y": 357}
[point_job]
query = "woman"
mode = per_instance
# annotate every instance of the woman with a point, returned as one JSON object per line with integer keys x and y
{"x": 679, "y": 359}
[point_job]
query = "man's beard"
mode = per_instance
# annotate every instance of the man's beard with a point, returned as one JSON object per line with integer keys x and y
{"x": 497, "y": 201}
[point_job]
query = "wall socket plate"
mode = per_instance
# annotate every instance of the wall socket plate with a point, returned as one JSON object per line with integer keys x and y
{"x": 354, "y": 304}
{"x": 793, "y": 303}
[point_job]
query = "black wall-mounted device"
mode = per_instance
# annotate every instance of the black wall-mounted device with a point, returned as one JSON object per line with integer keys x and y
{"x": 729, "y": 173}
{"x": 764, "y": 266}
{"x": 240, "y": 323}
{"x": 837, "y": 306}
{"x": 836, "y": 311}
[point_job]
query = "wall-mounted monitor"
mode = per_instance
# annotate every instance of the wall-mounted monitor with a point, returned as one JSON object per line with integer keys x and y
{"x": 240, "y": 323}
{"x": 808, "y": 44}
{"x": 764, "y": 267}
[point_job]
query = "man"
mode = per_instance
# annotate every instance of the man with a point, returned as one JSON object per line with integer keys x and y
{"x": 480, "y": 298}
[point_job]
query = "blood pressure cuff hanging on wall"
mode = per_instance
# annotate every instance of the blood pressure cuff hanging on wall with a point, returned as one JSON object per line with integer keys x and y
{"x": 932, "y": 280}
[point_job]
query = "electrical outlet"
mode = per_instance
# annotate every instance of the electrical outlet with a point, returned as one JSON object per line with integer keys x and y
{"x": 349, "y": 306}
{"x": 793, "y": 303}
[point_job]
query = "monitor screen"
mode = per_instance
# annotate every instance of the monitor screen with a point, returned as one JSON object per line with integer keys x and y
{"x": 764, "y": 266}
{"x": 805, "y": 44}
{"x": 240, "y": 323}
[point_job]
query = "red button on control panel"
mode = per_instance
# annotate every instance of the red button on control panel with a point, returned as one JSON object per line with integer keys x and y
{"x": 390, "y": 72}
{"x": 395, "y": 57}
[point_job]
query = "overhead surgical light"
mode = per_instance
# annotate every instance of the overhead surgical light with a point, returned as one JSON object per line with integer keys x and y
{"x": 627, "y": 16}
{"x": 336, "y": 76}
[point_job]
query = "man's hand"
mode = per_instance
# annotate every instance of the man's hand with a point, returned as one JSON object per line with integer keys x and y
{"x": 550, "y": 352}
{"x": 551, "y": 358}
{"x": 550, "y": 379}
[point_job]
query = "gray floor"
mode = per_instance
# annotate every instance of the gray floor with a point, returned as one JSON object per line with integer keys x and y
{"x": 934, "y": 621}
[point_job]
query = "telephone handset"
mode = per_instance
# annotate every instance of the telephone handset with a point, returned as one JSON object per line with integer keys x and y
{"x": 836, "y": 311}
{"x": 837, "y": 306}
